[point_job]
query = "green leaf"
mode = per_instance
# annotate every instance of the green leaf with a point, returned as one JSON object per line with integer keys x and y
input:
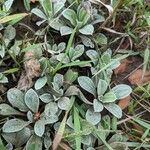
{"x": 10, "y": 32}
{"x": 58, "y": 6}
{"x": 7, "y": 110}
{"x": 39, "y": 128}
{"x": 8, "y": 5}
{"x": 77, "y": 128}
{"x": 18, "y": 138}
{"x": 34, "y": 143}
{"x": 46, "y": 97}
{"x": 98, "y": 106}
{"x": 101, "y": 87}
{"x": 39, "y": 13}
{"x": 65, "y": 30}
{"x": 87, "y": 84}
{"x": 32, "y": 100}
{"x": 40, "y": 83}
{"x": 64, "y": 103}
{"x": 70, "y": 15}
{"x": 76, "y": 52}
{"x": 101, "y": 39}
{"x": 16, "y": 98}
{"x": 114, "y": 109}
{"x": 87, "y": 29}
{"x": 3, "y": 78}
{"x": 109, "y": 97}
{"x": 93, "y": 117}
{"x": 14, "y": 125}
{"x": 122, "y": 91}
{"x": 51, "y": 108}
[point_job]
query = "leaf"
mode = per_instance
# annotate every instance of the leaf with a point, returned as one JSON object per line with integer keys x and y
{"x": 13, "y": 17}
{"x": 39, "y": 13}
{"x": 98, "y": 106}
{"x": 101, "y": 87}
{"x": 8, "y": 4}
{"x": 16, "y": 98}
{"x": 123, "y": 103}
{"x": 39, "y": 128}
{"x": 93, "y": 55}
{"x": 114, "y": 109}
{"x": 7, "y": 110}
{"x": 109, "y": 97}
{"x": 122, "y": 91}
{"x": 93, "y": 117}
{"x": 64, "y": 103}
{"x": 87, "y": 41}
{"x": 87, "y": 29}
{"x": 32, "y": 100}
{"x": 18, "y": 138}
{"x": 76, "y": 52}
{"x": 65, "y": 30}
{"x": 87, "y": 84}
{"x": 40, "y": 83}
{"x": 3, "y": 78}
{"x": 46, "y": 97}
{"x": 70, "y": 15}
{"x": 77, "y": 128}
{"x": 10, "y": 32}
{"x": 58, "y": 6}
{"x": 101, "y": 39}
{"x": 34, "y": 143}
{"x": 14, "y": 125}
{"x": 51, "y": 108}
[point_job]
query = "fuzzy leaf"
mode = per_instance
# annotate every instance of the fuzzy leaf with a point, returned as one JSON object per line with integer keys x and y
{"x": 93, "y": 117}
{"x": 65, "y": 30}
{"x": 87, "y": 29}
{"x": 40, "y": 83}
{"x": 18, "y": 138}
{"x": 122, "y": 91}
{"x": 32, "y": 100}
{"x": 98, "y": 106}
{"x": 39, "y": 128}
{"x": 51, "y": 108}
{"x": 114, "y": 109}
{"x": 109, "y": 97}
{"x": 46, "y": 98}
{"x": 87, "y": 84}
{"x": 64, "y": 103}
{"x": 7, "y": 110}
{"x": 16, "y": 98}
{"x": 70, "y": 15}
{"x": 102, "y": 87}
{"x": 14, "y": 125}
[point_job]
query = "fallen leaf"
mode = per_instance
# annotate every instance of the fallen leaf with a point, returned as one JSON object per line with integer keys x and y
{"x": 122, "y": 67}
{"x": 138, "y": 78}
{"x": 124, "y": 103}
{"x": 32, "y": 70}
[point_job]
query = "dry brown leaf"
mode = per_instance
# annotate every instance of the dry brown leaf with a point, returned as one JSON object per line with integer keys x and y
{"x": 123, "y": 103}
{"x": 31, "y": 70}
{"x": 137, "y": 77}
{"x": 122, "y": 67}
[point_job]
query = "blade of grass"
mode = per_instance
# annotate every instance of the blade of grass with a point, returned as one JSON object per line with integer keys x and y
{"x": 77, "y": 128}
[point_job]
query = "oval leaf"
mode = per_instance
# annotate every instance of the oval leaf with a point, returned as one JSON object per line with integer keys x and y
{"x": 87, "y": 84}
{"x": 16, "y": 98}
{"x": 87, "y": 30}
{"x": 32, "y": 100}
{"x": 93, "y": 117}
{"x": 101, "y": 87}
{"x": 64, "y": 103}
{"x": 98, "y": 106}
{"x": 40, "y": 83}
{"x": 39, "y": 128}
{"x": 122, "y": 91}
{"x": 114, "y": 109}
{"x": 14, "y": 125}
{"x": 109, "y": 97}
{"x": 7, "y": 110}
